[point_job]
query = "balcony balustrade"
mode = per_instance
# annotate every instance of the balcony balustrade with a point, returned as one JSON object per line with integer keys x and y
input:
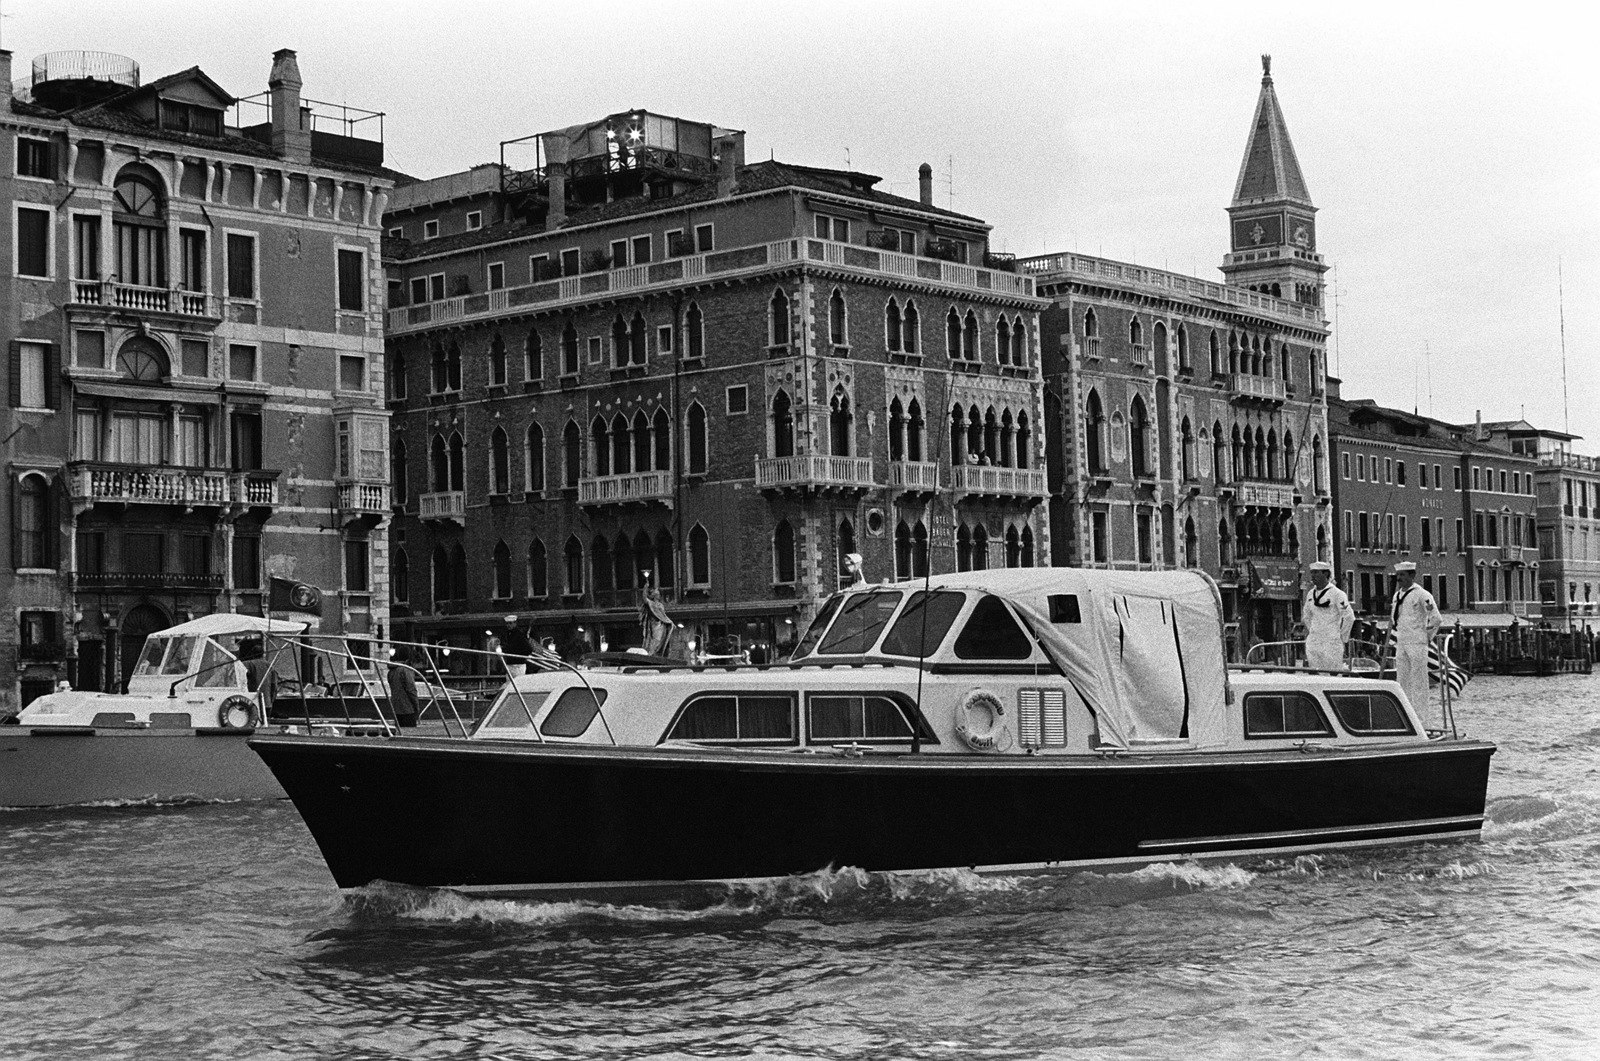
{"x": 729, "y": 262}
{"x": 990, "y": 481}
{"x": 1265, "y": 495}
{"x": 143, "y": 299}
{"x": 639, "y": 487}
{"x": 814, "y": 471}
{"x": 139, "y": 484}
{"x": 914, "y": 475}
{"x": 357, "y": 499}
{"x": 1258, "y": 388}
{"x": 446, "y": 504}
{"x": 117, "y": 581}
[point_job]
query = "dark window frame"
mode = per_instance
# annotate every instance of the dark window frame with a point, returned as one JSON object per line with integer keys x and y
{"x": 792, "y": 697}
{"x": 1286, "y": 733}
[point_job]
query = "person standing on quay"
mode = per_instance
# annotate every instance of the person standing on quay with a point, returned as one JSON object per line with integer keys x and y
{"x": 1413, "y": 620}
{"x": 1328, "y": 619}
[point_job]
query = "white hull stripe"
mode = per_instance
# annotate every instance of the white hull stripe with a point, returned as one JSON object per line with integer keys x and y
{"x": 1238, "y": 839}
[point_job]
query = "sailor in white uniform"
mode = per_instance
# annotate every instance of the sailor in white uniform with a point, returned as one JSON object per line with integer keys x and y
{"x": 1413, "y": 620}
{"x": 1327, "y": 617}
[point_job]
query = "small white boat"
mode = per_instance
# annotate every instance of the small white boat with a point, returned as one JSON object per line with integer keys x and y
{"x": 177, "y": 733}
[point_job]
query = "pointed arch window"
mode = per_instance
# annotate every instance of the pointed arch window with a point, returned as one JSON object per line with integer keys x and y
{"x": 952, "y": 334}
{"x": 502, "y": 570}
{"x": 1019, "y": 343}
{"x": 1027, "y": 546}
{"x": 397, "y": 375}
{"x": 458, "y": 571}
{"x": 980, "y": 548}
{"x": 1216, "y": 355}
{"x": 399, "y": 472}
{"x": 1319, "y": 478}
{"x": 600, "y": 439}
{"x": 1184, "y": 364}
{"x": 897, "y": 431}
{"x": 846, "y": 546}
{"x": 573, "y": 556}
{"x": 969, "y": 337}
{"x": 619, "y": 342}
{"x": 1091, "y": 325}
{"x": 783, "y": 565}
{"x": 538, "y": 570}
{"x": 778, "y": 319}
{"x": 698, "y": 442}
{"x": 569, "y": 349}
{"x": 958, "y": 436}
{"x": 1002, "y": 340}
{"x": 782, "y": 425}
{"x": 533, "y": 460}
{"x": 838, "y": 322}
{"x": 1024, "y": 443}
{"x": 963, "y": 548}
{"x": 571, "y": 455}
{"x": 497, "y": 361}
{"x": 1138, "y": 437}
{"x": 458, "y": 461}
{"x": 452, "y": 366}
{"x": 400, "y": 576}
{"x": 911, "y": 329}
{"x": 600, "y": 571}
{"x": 1187, "y": 431}
{"x": 636, "y": 339}
{"x": 439, "y": 454}
{"x": 902, "y": 552}
{"x": 1094, "y": 437}
{"x": 441, "y": 574}
{"x": 621, "y": 446}
{"x": 1135, "y": 333}
{"x": 499, "y": 462}
{"x": 891, "y": 326}
{"x": 641, "y": 442}
{"x": 839, "y": 422}
{"x": 1013, "y": 547}
{"x": 666, "y": 565}
{"x": 914, "y": 429}
{"x": 661, "y": 432}
{"x": 1191, "y": 544}
{"x": 694, "y": 340}
{"x": 699, "y": 556}
{"x": 622, "y": 562}
{"x": 533, "y": 356}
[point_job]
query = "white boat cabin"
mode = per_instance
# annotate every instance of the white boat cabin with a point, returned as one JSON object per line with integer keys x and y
{"x": 1023, "y": 661}
{"x": 189, "y": 675}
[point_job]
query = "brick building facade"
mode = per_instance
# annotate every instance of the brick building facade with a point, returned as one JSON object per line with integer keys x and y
{"x": 193, "y": 316}
{"x": 639, "y": 358}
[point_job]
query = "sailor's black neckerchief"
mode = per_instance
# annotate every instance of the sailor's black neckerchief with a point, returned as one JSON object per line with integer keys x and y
{"x": 1319, "y": 597}
{"x": 1399, "y": 599}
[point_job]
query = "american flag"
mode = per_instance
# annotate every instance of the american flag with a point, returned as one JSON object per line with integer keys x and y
{"x": 1442, "y": 668}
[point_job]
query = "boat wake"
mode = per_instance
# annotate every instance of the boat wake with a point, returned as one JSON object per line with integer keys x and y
{"x": 140, "y": 803}
{"x": 1541, "y": 819}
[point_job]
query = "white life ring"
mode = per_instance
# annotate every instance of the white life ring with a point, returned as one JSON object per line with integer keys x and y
{"x": 237, "y": 712}
{"x": 981, "y": 722}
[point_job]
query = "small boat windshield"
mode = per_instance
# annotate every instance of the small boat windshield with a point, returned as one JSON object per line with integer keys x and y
{"x": 860, "y": 621}
{"x": 808, "y": 643}
{"x": 927, "y": 617}
{"x": 178, "y": 656}
{"x": 150, "y": 659}
{"x": 215, "y": 671}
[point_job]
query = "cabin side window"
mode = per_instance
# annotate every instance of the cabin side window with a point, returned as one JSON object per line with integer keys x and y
{"x": 1271, "y": 715}
{"x": 1371, "y": 714}
{"x": 992, "y": 633}
{"x": 868, "y": 718}
{"x": 573, "y": 712}
{"x": 746, "y": 718}
{"x": 514, "y": 711}
{"x": 925, "y": 621}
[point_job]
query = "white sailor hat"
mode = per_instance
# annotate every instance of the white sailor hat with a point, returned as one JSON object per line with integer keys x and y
{"x": 1404, "y": 565}
{"x": 1322, "y": 565}
{"x": 510, "y": 619}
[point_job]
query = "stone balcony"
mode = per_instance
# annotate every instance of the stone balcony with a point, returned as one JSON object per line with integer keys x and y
{"x": 989, "y": 481}
{"x": 1264, "y": 495}
{"x": 1246, "y": 387}
{"x": 636, "y": 488}
{"x": 814, "y": 472}
{"x": 442, "y": 505}
{"x": 110, "y": 295}
{"x": 914, "y": 476}
{"x": 96, "y": 482}
{"x": 359, "y": 499}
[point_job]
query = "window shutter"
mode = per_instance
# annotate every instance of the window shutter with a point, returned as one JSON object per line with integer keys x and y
{"x": 16, "y": 498}
{"x": 52, "y": 376}
{"x": 15, "y": 380}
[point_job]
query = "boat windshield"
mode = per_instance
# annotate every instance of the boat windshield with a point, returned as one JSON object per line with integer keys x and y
{"x": 860, "y": 621}
{"x": 178, "y": 657}
{"x": 813, "y": 634}
{"x": 150, "y": 658}
{"x": 926, "y": 619}
{"x": 215, "y": 670}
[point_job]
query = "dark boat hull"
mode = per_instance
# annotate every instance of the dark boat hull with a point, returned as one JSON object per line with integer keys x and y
{"x": 529, "y": 818}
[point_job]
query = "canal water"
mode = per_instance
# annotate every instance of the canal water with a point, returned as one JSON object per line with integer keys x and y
{"x": 214, "y": 931}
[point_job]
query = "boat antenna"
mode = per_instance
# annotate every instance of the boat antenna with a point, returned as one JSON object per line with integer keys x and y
{"x": 1561, "y": 317}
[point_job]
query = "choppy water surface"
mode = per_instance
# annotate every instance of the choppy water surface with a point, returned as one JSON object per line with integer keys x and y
{"x": 215, "y": 932}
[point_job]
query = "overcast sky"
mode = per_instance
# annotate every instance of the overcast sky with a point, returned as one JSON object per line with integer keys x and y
{"x": 1453, "y": 152}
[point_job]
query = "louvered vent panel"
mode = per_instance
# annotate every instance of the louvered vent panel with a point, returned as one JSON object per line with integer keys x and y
{"x": 1028, "y": 720}
{"x": 1055, "y": 718}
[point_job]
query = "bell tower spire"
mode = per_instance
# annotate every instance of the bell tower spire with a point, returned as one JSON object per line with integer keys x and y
{"x": 1272, "y": 220}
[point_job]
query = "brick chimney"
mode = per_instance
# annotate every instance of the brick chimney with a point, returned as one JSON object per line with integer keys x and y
{"x": 5, "y": 74}
{"x": 291, "y": 132}
{"x": 556, "y": 149}
{"x": 925, "y": 183}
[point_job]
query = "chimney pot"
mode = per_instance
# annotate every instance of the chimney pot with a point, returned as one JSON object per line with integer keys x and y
{"x": 925, "y": 183}
{"x": 291, "y": 126}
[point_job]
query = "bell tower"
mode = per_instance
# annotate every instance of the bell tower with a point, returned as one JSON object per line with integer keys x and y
{"x": 1273, "y": 226}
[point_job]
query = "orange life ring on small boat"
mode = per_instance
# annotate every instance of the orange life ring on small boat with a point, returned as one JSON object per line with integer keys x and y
{"x": 981, "y": 722}
{"x": 237, "y": 712}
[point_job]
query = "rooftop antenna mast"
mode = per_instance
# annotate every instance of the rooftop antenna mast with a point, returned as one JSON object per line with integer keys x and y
{"x": 1561, "y": 317}
{"x": 950, "y": 183}
{"x": 1338, "y": 368}
{"x": 1427, "y": 358}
